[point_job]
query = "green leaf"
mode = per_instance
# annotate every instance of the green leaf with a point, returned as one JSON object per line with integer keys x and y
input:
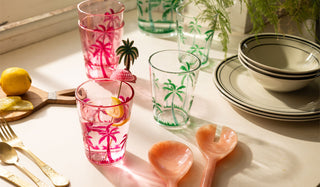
{"x": 167, "y": 96}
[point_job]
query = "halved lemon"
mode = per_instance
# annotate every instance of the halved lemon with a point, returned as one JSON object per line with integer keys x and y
{"x": 115, "y": 112}
{"x": 14, "y": 103}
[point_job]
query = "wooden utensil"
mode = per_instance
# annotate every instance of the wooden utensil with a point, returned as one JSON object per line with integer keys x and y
{"x": 40, "y": 98}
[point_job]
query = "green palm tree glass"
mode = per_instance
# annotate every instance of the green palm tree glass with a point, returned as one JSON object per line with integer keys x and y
{"x": 157, "y": 17}
{"x": 194, "y": 35}
{"x": 173, "y": 76}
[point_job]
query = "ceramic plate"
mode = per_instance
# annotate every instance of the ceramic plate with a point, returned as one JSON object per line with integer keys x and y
{"x": 241, "y": 90}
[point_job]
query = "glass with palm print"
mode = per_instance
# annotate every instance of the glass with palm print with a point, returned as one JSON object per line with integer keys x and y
{"x": 157, "y": 17}
{"x": 173, "y": 74}
{"x": 194, "y": 35}
{"x": 104, "y": 114}
{"x": 99, "y": 47}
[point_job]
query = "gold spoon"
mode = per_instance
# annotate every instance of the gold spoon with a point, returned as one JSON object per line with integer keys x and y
{"x": 214, "y": 151}
{"x": 8, "y": 155}
{"x": 171, "y": 160}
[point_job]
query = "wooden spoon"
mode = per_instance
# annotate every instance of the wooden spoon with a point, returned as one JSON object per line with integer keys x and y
{"x": 214, "y": 151}
{"x": 171, "y": 160}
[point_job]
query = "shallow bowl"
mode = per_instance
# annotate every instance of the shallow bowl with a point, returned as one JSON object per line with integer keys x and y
{"x": 281, "y": 54}
{"x": 277, "y": 83}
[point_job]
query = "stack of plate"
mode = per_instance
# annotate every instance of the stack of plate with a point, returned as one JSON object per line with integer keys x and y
{"x": 280, "y": 63}
{"x": 243, "y": 91}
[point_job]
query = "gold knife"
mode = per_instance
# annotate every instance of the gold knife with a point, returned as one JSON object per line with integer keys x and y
{"x": 12, "y": 178}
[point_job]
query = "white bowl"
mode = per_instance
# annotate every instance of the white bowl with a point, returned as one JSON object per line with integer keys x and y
{"x": 282, "y": 54}
{"x": 276, "y": 83}
{"x": 281, "y": 75}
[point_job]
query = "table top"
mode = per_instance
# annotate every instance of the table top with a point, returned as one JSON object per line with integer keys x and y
{"x": 269, "y": 152}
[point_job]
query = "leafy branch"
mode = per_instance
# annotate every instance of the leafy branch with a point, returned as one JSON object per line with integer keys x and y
{"x": 216, "y": 12}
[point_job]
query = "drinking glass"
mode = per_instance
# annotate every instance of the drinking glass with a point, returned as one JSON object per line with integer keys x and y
{"x": 99, "y": 50}
{"x": 157, "y": 18}
{"x": 101, "y": 29}
{"x": 104, "y": 112}
{"x": 173, "y": 75}
{"x": 194, "y": 34}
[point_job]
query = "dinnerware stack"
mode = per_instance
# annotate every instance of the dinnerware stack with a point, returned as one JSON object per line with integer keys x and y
{"x": 281, "y": 63}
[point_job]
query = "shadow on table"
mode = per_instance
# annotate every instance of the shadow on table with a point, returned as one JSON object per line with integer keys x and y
{"x": 253, "y": 161}
{"x": 131, "y": 171}
{"x": 305, "y": 130}
{"x": 238, "y": 160}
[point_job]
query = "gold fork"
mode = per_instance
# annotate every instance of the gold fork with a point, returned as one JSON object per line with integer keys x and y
{"x": 7, "y": 135}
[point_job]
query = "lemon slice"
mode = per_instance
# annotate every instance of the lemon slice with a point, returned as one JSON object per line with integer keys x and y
{"x": 21, "y": 105}
{"x": 8, "y": 101}
{"x": 14, "y": 103}
{"x": 115, "y": 112}
{"x": 121, "y": 122}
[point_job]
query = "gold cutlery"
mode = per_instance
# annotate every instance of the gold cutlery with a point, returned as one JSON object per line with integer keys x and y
{"x": 12, "y": 178}
{"x": 7, "y": 135}
{"x": 8, "y": 155}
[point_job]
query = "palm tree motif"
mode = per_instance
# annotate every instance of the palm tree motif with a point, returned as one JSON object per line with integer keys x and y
{"x": 194, "y": 26}
{"x": 181, "y": 34}
{"x": 139, "y": 5}
{"x": 151, "y": 5}
{"x": 155, "y": 80}
{"x": 109, "y": 133}
{"x": 124, "y": 141}
{"x": 128, "y": 52}
{"x": 197, "y": 50}
{"x": 89, "y": 143}
{"x": 111, "y": 20}
{"x": 102, "y": 51}
{"x": 209, "y": 34}
{"x": 169, "y": 7}
{"x": 188, "y": 75}
{"x": 173, "y": 91}
{"x": 156, "y": 105}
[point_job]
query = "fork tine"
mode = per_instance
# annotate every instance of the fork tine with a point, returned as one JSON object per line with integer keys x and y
{"x": 6, "y": 131}
{"x": 2, "y": 132}
{"x": 10, "y": 129}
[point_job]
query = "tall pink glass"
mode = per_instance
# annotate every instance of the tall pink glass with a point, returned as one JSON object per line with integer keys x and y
{"x": 104, "y": 120}
{"x": 99, "y": 47}
{"x": 101, "y": 28}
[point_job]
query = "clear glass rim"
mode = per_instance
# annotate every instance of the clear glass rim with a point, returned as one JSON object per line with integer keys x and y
{"x": 92, "y": 30}
{"x": 177, "y": 51}
{"x": 102, "y": 106}
{"x": 110, "y": 15}
{"x": 179, "y": 12}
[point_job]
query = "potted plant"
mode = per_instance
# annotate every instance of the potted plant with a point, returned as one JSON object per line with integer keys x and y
{"x": 260, "y": 12}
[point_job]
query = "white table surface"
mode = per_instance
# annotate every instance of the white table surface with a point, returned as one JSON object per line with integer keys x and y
{"x": 269, "y": 152}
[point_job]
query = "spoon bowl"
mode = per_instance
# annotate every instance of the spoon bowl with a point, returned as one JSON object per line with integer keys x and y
{"x": 214, "y": 151}
{"x": 171, "y": 160}
{"x": 8, "y": 155}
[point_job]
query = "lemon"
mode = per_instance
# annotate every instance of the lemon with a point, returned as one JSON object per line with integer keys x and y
{"x": 115, "y": 112}
{"x": 15, "y": 81}
{"x": 14, "y": 103}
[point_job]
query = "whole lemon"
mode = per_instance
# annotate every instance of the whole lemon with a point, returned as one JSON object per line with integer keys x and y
{"x": 15, "y": 81}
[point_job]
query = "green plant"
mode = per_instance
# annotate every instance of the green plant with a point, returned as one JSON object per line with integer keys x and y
{"x": 260, "y": 12}
{"x": 298, "y": 11}
{"x": 216, "y": 12}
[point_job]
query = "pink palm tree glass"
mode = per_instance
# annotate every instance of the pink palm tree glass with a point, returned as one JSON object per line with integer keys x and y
{"x": 104, "y": 135}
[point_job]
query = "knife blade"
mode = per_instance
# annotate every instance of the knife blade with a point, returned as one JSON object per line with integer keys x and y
{"x": 12, "y": 178}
